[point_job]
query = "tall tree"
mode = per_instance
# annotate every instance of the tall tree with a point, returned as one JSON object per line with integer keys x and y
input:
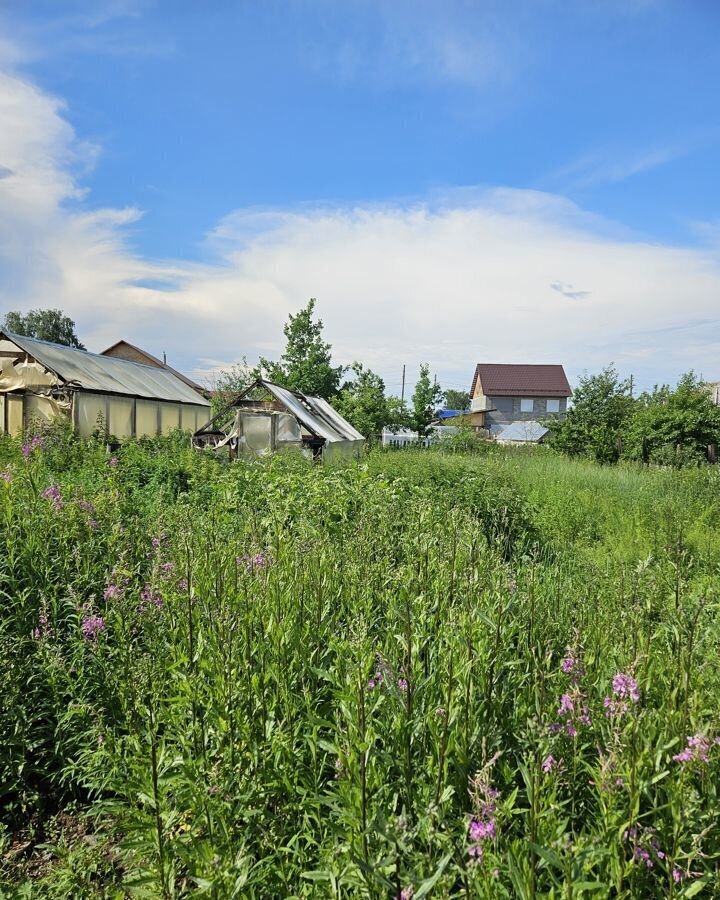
{"x": 602, "y": 408}
{"x": 425, "y": 400}
{"x": 363, "y": 402}
{"x": 457, "y": 399}
{"x": 306, "y": 363}
{"x": 46, "y": 325}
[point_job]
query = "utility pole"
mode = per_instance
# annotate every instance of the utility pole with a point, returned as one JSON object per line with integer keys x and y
{"x": 631, "y": 385}
{"x": 402, "y": 393}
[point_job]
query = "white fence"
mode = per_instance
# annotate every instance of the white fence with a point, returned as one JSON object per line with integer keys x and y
{"x": 406, "y": 438}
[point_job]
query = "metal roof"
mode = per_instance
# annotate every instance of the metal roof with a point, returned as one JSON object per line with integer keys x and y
{"x": 107, "y": 374}
{"x": 532, "y": 432}
{"x": 314, "y": 413}
{"x": 152, "y": 361}
{"x": 506, "y": 380}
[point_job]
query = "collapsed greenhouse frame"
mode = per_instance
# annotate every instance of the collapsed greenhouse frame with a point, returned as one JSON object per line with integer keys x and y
{"x": 41, "y": 382}
{"x": 266, "y": 418}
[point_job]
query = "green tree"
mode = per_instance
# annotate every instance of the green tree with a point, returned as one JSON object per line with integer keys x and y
{"x": 44, "y": 324}
{"x": 363, "y": 402}
{"x": 602, "y": 408}
{"x": 674, "y": 427}
{"x": 457, "y": 399}
{"x": 425, "y": 400}
{"x": 306, "y": 363}
{"x": 229, "y": 383}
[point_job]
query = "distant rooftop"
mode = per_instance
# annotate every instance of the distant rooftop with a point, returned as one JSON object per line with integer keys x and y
{"x": 522, "y": 380}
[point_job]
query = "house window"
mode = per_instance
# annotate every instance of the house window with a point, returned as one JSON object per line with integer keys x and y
{"x": 553, "y": 405}
{"x": 526, "y": 405}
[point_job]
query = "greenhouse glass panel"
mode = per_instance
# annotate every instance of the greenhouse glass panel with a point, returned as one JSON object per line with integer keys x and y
{"x": 121, "y": 417}
{"x": 91, "y": 413}
{"x": 146, "y": 418}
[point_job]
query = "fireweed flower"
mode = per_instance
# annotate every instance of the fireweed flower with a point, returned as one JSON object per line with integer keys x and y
{"x": 113, "y": 461}
{"x": 257, "y": 562}
{"x": 43, "y": 629}
{"x": 6, "y": 475}
{"x": 407, "y": 893}
{"x": 550, "y": 764}
{"x": 572, "y": 712}
{"x": 697, "y": 749}
{"x": 112, "y": 592}
{"x": 92, "y": 626}
{"x": 149, "y": 599}
{"x": 482, "y": 826}
{"x": 644, "y": 845}
{"x": 53, "y": 495}
{"x": 29, "y": 448}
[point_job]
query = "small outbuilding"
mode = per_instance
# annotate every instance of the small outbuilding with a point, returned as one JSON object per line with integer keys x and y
{"x": 42, "y": 382}
{"x": 266, "y": 418}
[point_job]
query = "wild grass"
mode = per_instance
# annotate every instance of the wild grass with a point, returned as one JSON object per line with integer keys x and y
{"x": 419, "y": 675}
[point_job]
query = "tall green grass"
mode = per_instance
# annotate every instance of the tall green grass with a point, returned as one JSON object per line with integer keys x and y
{"x": 272, "y": 679}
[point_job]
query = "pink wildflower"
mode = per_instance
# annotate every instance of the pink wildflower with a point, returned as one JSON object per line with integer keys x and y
{"x": 697, "y": 749}
{"x": 92, "y": 626}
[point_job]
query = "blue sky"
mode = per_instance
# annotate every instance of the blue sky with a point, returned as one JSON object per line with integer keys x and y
{"x": 455, "y": 181}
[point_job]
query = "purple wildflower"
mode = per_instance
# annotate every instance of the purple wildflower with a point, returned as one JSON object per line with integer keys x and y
{"x": 113, "y": 461}
{"x": 112, "y": 592}
{"x": 407, "y": 893}
{"x": 372, "y": 684}
{"x": 549, "y": 764}
{"x": 644, "y": 845}
{"x": 625, "y": 687}
{"x": 254, "y": 562}
{"x": 6, "y": 475}
{"x": 440, "y": 711}
{"x": 149, "y": 598}
{"x": 697, "y": 749}
{"x": 29, "y": 448}
{"x": 402, "y": 684}
{"x": 92, "y": 626}
{"x": 482, "y": 826}
{"x": 566, "y": 705}
{"x": 53, "y": 495}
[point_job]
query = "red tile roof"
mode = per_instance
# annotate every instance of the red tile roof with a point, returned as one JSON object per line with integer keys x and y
{"x": 504, "y": 380}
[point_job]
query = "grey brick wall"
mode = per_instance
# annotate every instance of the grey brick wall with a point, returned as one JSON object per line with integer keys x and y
{"x": 507, "y": 410}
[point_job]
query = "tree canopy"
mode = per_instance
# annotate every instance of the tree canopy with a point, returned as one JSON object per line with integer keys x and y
{"x": 457, "y": 399}
{"x": 46, "y": 325}
{"x": 363, "y": 403}
{"x": 306, "y": 362}
{"x": 664, "y": 426}
{"x": 425, "y": 400}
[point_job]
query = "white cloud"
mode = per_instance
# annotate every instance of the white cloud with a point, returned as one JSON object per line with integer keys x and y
{"x": 465, "y": 277}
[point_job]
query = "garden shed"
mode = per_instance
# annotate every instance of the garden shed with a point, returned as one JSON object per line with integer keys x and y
{"x": 40, "y": 381}
{"x": 265, "y": 418}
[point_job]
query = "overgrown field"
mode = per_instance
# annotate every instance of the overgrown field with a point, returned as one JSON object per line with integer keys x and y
{"x": 490, "y": 675}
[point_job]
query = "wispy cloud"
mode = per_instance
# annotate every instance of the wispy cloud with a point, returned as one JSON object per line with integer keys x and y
{"x": 567, "y": 290}
{"x": 428, "y": 41}
{"x": 603, "y": 167}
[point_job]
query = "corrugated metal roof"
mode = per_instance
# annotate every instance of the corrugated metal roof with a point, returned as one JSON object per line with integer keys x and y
{"x": 320, "y": 417}
{"x": 152, "y": 361}
{"x": 532, "y": 432}
{"x": 108, "y": 374}
{"x": 507, "y": 380}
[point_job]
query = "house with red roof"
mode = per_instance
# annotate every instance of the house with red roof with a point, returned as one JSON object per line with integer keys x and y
{"x": 503, "y": 393}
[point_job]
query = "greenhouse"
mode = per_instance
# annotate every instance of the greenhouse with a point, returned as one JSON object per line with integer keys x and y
{"x": 266, "y": 418}
{"x": 42, "y": 382}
